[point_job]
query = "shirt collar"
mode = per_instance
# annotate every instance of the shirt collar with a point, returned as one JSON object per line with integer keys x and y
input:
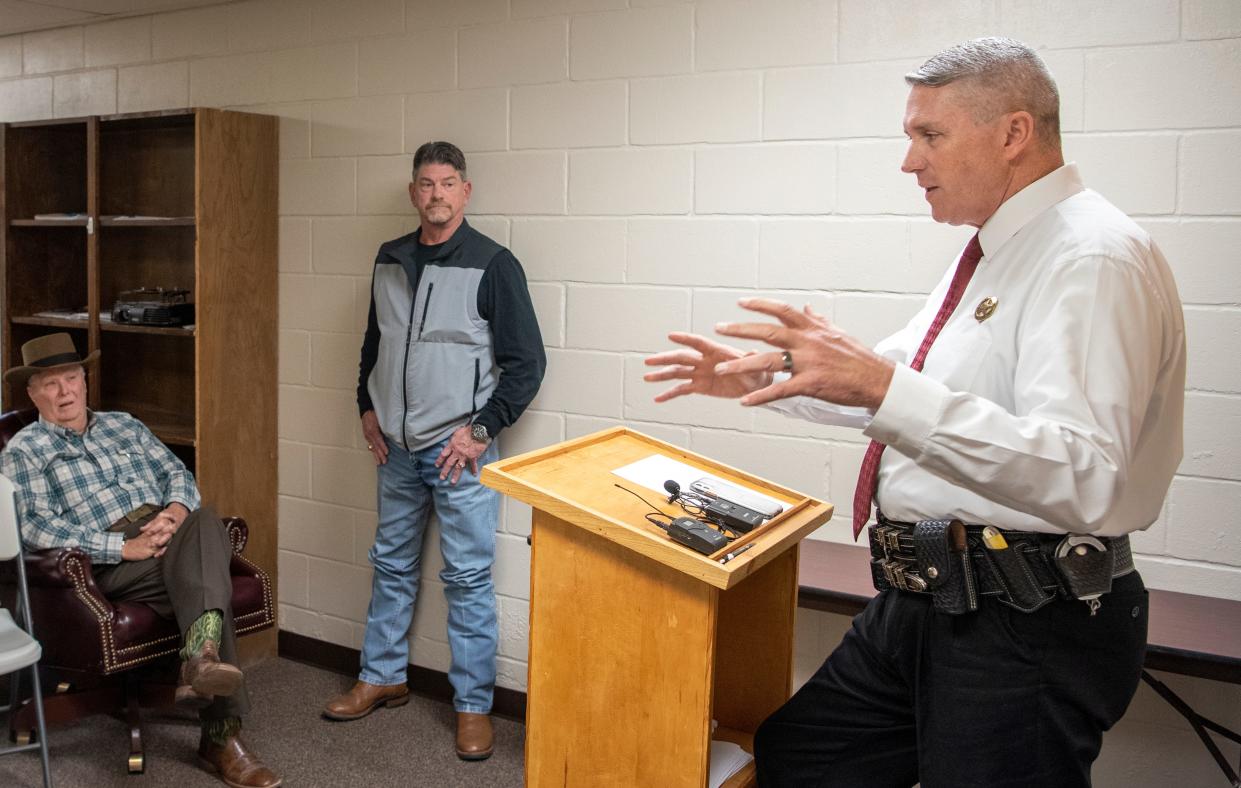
{"x": 447, "y": 246}
{"x": 1020, "y": 209}
{"x": 65, "y": 432}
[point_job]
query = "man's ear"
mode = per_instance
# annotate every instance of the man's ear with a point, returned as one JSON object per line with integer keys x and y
{"x": 1019, "y": 134}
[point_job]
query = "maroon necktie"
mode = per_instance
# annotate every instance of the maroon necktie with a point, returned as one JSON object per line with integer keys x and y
{"x": 868, "y": 476}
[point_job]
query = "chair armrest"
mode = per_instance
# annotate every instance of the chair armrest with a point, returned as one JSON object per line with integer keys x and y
{"x": 64, "y": 567}
{"x": 53, "y": 567}
{"x": 238, "y": 533}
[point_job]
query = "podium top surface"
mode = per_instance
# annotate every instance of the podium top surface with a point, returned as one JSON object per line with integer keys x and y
{"x": 574, "y": 481}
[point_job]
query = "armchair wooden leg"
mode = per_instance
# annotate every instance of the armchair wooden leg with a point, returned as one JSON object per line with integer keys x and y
{"x": 133, "y": 716}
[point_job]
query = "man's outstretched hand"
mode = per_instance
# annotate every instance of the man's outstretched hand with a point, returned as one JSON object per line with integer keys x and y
{"x": 696, "y": 364}
{"x": 828, "y": 364}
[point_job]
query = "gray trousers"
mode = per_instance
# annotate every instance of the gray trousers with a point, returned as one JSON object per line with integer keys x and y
{"x": 189, "y": 579}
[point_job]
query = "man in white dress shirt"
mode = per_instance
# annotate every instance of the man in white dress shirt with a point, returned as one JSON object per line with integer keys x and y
{"x": 1027, "y": 433}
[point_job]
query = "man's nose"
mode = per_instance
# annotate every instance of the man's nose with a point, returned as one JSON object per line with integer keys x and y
{"x": 912, "y": 162}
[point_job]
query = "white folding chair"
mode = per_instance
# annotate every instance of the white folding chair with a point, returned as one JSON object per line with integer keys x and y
{"x": 18, "y": 648}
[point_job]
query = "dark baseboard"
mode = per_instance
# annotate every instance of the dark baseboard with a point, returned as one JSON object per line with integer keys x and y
{"x": 426, "y": 682}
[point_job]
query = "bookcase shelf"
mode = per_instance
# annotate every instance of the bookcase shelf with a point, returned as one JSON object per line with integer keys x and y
{"x": 93, "y": 207}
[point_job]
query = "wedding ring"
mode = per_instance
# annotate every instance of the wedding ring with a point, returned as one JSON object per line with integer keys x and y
{"x": 788, "y": 361}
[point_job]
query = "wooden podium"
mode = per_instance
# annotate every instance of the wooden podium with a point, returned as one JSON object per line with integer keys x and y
{"x": 636, "y": 642}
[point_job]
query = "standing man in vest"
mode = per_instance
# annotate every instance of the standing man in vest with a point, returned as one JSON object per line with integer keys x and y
{"x": 452, "y": 355}
{"x": 1031, "y": 413}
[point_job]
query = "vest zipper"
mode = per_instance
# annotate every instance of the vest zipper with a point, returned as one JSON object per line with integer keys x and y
{"x": 426, "y": 306}
{"x": 409, "y": 333}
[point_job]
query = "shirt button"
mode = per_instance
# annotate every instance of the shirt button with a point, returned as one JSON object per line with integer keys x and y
{"x": 1137, "y": 611}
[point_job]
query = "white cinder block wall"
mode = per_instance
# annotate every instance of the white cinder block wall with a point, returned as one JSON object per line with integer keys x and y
{"x": 649, "y": 161}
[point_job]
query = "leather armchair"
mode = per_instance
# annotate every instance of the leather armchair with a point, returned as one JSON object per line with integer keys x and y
{"x": 95, "y": 635}
{"x": 88, "y": 639}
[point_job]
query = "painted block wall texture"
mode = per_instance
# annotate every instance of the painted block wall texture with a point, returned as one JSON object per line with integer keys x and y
{"x": 650, "y": 161}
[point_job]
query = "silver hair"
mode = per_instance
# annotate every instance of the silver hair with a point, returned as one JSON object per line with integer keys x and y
{"x": 1000, "y": 75}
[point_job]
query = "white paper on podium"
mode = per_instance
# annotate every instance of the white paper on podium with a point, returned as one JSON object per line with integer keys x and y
{"x": 651, "y": 472}
{"x": 726, "y": 759}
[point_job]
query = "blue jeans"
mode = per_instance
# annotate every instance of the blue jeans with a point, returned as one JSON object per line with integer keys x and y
{"x": 409, "y": 487}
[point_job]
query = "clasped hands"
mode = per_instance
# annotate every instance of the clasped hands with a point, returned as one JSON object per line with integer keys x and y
{"x": 153, "y": 537}
{"x": 826, "y": 363}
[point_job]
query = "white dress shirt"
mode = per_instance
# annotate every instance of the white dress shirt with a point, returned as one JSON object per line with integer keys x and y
{"x": 1062, "y": 411}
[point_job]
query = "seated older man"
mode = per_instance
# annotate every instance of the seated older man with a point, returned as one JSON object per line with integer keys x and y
{"x": 102, "y": 482}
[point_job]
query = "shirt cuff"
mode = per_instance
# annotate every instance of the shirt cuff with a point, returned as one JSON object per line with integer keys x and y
{"x": 912, "y": 407}
{"x": 112, "y": 545}
{"x": 184, "y": 493}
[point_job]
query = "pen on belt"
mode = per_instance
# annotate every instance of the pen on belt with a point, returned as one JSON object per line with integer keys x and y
{"x": 735, "y": 553}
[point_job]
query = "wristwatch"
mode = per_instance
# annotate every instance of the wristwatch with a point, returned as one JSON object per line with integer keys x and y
{"x": 479, "y": 433}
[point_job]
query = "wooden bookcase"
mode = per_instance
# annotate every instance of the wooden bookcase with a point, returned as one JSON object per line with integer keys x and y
{"x": 95, "y": 206}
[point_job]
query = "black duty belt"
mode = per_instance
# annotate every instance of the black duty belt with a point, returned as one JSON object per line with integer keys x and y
{"x": 958, "y": 564}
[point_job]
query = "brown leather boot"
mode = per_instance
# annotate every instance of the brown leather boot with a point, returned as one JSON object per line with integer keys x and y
{"x": 204, "y": 676}
{"x": 365, "y": 698}
{"x": 237, "y": 766}
{"x": 474, "y": 739}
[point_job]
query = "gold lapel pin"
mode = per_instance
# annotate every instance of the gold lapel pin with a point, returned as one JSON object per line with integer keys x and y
{"x": 985, "y": 308}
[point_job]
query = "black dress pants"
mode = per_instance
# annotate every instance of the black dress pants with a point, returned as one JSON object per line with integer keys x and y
{"x": 994, "y": 698}
{"x": 190, "y": 578}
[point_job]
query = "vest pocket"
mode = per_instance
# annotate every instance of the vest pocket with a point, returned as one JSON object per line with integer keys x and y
{"x": 426, "y": 307}
{"x": 474, "y": 391}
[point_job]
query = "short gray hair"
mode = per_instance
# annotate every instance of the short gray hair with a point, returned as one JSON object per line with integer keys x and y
{"x": 439, "y": 152}
{"x": 1001, "y": 75}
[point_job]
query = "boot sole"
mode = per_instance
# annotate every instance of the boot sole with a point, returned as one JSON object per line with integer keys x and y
{"x": 209, "y": 766}
{"x": 475, "y": 756}
{"x": 186, "y": 698}
{"x": 221, "y": 680}
{"x": 391, "y": 703}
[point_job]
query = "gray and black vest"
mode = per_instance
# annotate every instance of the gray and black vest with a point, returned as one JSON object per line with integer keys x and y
{"x": 435, "y": 367}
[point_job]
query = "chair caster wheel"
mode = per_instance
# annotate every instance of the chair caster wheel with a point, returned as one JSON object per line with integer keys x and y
{"x": 137, "y": 763}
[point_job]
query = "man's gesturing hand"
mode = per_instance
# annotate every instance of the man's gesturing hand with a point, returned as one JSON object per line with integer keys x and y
{"x": 697, "y": 364}
{"x": 827, "y": 363}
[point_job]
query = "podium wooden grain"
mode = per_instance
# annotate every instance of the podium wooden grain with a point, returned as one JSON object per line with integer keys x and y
{"x": 638, "y": 643}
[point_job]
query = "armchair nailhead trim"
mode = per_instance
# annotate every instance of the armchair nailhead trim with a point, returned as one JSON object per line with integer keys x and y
{"x": 111, "y": 654}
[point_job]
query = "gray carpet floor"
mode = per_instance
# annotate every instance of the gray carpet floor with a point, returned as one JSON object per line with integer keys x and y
{"x": 408, "y": 746}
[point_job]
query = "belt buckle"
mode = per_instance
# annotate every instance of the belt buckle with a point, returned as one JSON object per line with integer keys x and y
{"x": 889, "y": 539}
{"x": 134, "y": 515}
{"x": 898, "y": 575}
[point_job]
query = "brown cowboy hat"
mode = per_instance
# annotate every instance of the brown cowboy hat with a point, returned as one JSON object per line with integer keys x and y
{"x": 45, "y": 353}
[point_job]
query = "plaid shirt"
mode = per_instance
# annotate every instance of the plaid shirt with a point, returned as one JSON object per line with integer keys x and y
{"x": 71, "y": 487}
